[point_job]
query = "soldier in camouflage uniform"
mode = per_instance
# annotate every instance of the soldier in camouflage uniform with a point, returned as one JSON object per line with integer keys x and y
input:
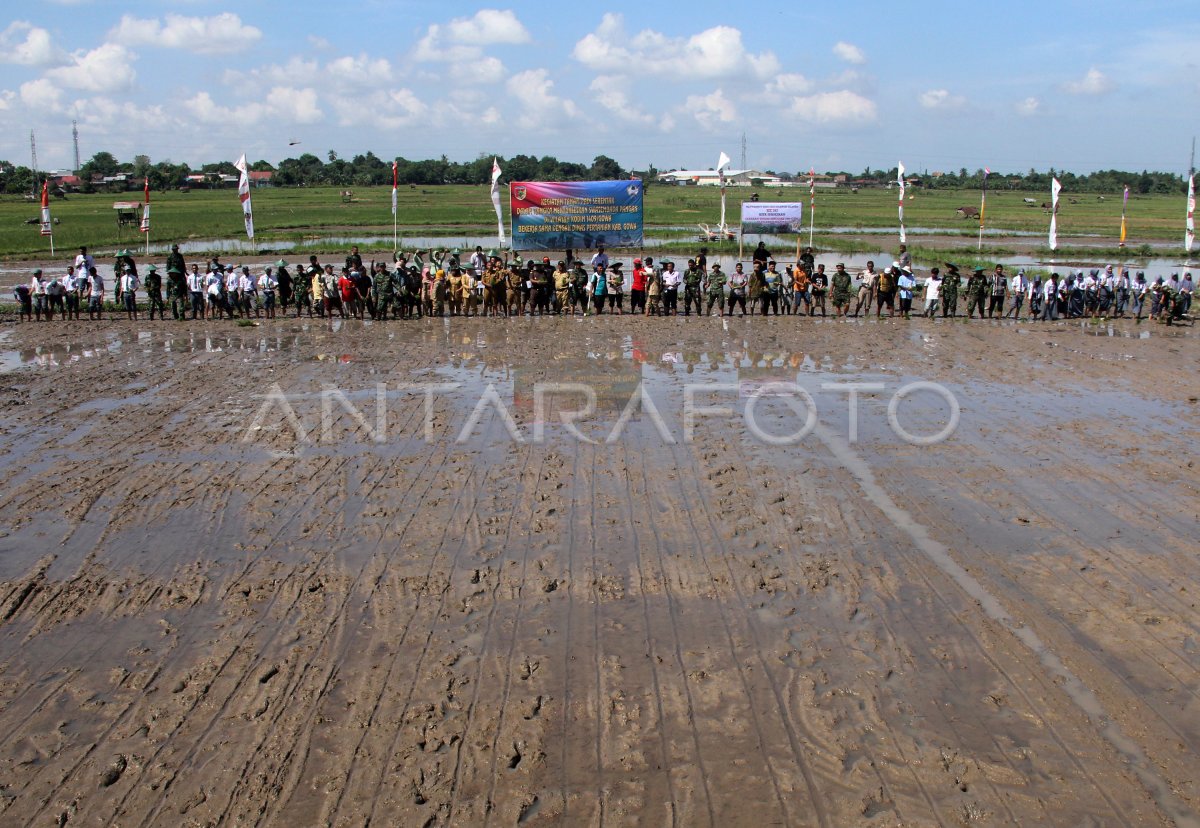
{"x": 715, "y": 288}
{"x": 950, "y": 285}
{"x": 692, "y": 279}
{"x": 977, "y": 292}
{"x": 302, "y": 292}
{"x": 153, "y": 286}
{"x": 383, "y": 291}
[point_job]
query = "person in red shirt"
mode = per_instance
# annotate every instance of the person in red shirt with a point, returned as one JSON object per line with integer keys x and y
{"x": 349, "y": 293}
{"x": 637, "y": 291}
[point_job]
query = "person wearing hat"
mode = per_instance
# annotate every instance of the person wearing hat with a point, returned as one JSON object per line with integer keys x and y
{"x": 154, "y": 298}
{"x": 840, "y": 291}
{"x": 562, "y": 287}
{"x": 951, "y": 284}
{"x": 637, "y": 288}
{"x": 714, "y": 286}
{"x": 122, "y": 260}
{"x": 693, "y": 277}
{"x": 616, "y": 288}
{"x": 977, "y": 291}
{"x": 127, "y": 288}
{"x": 904, "y": 286}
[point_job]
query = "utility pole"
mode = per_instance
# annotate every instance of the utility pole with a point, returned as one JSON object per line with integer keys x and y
{"x": 743, "y": 152}
{"x": 75, "y": 137}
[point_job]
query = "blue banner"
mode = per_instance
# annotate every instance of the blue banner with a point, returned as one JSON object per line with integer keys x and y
{"x": 580, "y": 215}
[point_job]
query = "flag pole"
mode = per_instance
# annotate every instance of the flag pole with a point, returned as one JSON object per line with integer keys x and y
{"x": 812, "y": 203}
{"x": 1124, "y": 205}
{"x": 982, "y": 207}
{"x": 395, "y": 214}
{"x": 900, "y": 181}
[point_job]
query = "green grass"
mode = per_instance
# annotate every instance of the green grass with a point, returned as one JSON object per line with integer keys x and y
{"x": 312, "y": 213}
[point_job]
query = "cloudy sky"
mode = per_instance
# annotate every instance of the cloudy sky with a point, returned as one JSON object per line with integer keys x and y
{"x": 1069, "y": 84}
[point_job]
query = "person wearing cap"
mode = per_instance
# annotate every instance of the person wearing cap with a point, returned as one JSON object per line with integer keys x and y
{"x": 904, "y": 286}
{"x": 287, "y": 286}
{"x": 195, "y": 289}
{"x": 693, "y": 277}
{"x": 714, "y": 286}
{"x": 154, "y": 298}
{"x": 1018, "y": 287}
{"x": 840, "y": 293}
{"x": 637, "y": 288}
{"x": 951, "y": 284}
{"x": 616, "y": 288}
{"x": 977, "y": 291}
{"x": 123, "y": 260}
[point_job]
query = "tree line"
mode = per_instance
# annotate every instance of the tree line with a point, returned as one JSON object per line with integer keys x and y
{"x": 367, "y": 170}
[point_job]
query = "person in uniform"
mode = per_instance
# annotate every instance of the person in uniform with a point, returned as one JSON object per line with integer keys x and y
{"x": 977, "y": 291}
{"x": 715, "y": 288}
{"x": 154, "y": 299}
{"x": 950, "y": 285}
{"x": 692, "y": 279}
{"x": 562, "y": 287}
{"x": 841, "y": 290}
{"x": 287, "y": 288}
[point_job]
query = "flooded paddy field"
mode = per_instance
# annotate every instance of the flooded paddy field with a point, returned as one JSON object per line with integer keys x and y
{"x": 600, "y": 571}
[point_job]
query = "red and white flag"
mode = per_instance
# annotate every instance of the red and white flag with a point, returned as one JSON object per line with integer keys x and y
{"x": 1189, "y": 236}
{"x": 900, "y": 181}
{"x": 244, "y": 195}
{"x": 145, "y": 228}
{"x": 496, "y": 171}
{"x": 47, "y": 228}
{"x": 395, "y": 181}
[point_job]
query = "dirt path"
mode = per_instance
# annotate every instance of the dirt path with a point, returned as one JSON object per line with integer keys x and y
{"x": 205, "y": 619}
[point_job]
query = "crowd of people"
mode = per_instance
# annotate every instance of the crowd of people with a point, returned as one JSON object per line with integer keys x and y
{"x": 438, "y": 282}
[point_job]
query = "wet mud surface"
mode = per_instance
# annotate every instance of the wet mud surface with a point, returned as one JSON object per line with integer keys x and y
{"x": 269, "y": 577}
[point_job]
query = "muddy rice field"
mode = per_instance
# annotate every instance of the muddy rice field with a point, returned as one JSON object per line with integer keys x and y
{"x": 612, "y": 571}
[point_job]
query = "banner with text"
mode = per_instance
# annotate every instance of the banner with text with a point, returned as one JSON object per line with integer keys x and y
{"x": 772, "y": 217}
{"x": 580, "y": 215}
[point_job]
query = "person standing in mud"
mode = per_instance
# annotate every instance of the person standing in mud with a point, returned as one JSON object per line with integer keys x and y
{"x": 737, "y": 289}
{"x": 287, "y": 289}
{"x": 841, "y": 291}
{"x": 127, "y": 289}
{"x": 977, "y": 292}
{"x": 195, "y": 286}
{"x": 692, "y": 278}
{"x": 579, "y": 288}
{"x": 950, "y": 286}
{"x": 820, "y": 289}
{"x": 154, "y": 299}
{"x": 999, "y": 287}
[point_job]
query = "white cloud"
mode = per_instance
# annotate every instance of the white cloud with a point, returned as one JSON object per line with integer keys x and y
{"x": 849, "y": 53}
{"x": 282, "y": 103}
{"x": 463, "y": 39}
{"x": 358, "y": 71}
{"x": 1029, "y": 107}
{"x": 40, "y": 95}
{"x": 534, "y": 90}
{"x": 107, "y": 68}
{"x": 34, "y": 50}
{"x": 391, "y": 110}
{"x": 713, "y": 53}
{"x": 479, "y": 71}
{"x": 219, "y": 34}
{"x": 790, "y": 84}
{"x": 712, "y": 110}
{"x": 834, "y": 107}
{"x": 1094, "y": 82}
{"x": 941, "y": 99}
{"x": 320, "y": 43}
{"x": 7, "y": 96}
{"x": 612, "y": 93}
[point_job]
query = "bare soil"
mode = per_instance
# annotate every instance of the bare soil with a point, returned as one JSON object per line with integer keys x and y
{"x": 207, "y": 620}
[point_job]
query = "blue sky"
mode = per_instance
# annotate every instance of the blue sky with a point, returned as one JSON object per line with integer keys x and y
{"x": 1073, "y": 85}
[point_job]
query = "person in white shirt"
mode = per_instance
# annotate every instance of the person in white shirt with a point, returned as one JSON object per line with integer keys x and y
{"x": 1185, "y": 291}
{"x": 129, "y": 285}
{"x": 71, "y": 290}
{"x": 248, "y": 290}
{"x": 233, "y": 291}
{"x": 1017, "y": 287}
{"x": 671, "y": 279}
{"x": 1050, "y": 298}
{"x": 195, "y": 284}
{"x": 41, "y": 301}
{"x": 83, "y": 265}
{"x": 95, "y": 294}
{"x": 212, "y": 289}
{"x": 266, "y": 286}
{"x": 868, "y": 284}
{"x": 933, "y": 292}
{"x": 599, "y": 258}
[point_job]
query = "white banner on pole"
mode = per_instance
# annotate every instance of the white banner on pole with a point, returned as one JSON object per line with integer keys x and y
{"x": 1055, "y": 189}
{"x": 900, "y": 181}
{"x": 496, "y": 171}
{"x": 244, "y": 195}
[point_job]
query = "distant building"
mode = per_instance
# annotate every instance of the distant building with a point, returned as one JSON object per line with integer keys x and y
{"x": 262, "y": 179}
{"x": 709, "y": 178}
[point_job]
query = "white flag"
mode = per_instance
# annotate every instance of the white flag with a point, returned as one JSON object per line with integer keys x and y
{"x": 395, "y": 181}
{"x": 900, "y": 181}
{"x": 722, "y": 163}
{"x": 244, "y": 195}
{"x": 1189, "y": 236}
{"x": 496, "y": 198}
{"x": 1055, "y": 189}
